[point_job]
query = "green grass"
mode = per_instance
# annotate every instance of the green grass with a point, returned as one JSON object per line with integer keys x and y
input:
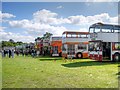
{"x": 46, "y": 72}
{"x": 0, "y": 72}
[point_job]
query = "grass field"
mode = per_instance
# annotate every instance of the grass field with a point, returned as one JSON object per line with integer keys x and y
{"x": 0, "y": 72}
{"x": 46, "y": 72}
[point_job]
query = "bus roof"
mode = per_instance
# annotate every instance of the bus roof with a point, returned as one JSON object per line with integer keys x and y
{"x": 57, "y": 38}
{"x": 105, "y": 26}
{"x": 73, "y": 32}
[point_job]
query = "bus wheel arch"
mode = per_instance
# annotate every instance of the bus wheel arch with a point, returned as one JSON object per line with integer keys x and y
{"x": 79, "y": 55}
{"x": 116, "y": 57}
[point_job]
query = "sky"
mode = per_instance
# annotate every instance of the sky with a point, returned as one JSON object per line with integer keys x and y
{"x": 24, "y": 21}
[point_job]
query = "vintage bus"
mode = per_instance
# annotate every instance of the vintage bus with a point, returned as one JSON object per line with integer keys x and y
{"x": 75, "y": 44}
{"x": 56, "y": 45}
{"x": 105, "y": 42}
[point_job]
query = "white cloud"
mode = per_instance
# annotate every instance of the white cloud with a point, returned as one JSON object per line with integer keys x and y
{"x": 113, "y": 20}
{"x": 6, "y": 15}
{"x": 15, "y": 36}
{"x": 4, "y": 35}
{"x": 83, "y": 30}
{"x": 48, "y": 17}
{"x": 87, "y": 20}
{"x": 59, "y": 7}
{"x": 21, "y": 23}
{"x": 44, "y": 16}
{"x": 35, "y": 28}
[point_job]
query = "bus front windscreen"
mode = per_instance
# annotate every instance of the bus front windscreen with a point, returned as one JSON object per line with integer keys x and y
{"x": 94, "y": 46}
{"x": 117, "y": 46}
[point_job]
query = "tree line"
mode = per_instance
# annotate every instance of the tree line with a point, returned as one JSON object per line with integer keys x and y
{"x": 11, "y": 43}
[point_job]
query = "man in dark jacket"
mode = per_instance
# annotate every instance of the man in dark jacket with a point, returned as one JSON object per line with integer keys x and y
{"x": 10, "y": 53}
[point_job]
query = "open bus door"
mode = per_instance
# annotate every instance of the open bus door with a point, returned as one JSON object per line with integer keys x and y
{"x": 106, "y": 50}
{"x": 55, "y": 51}
{"x": 71, "y": 50}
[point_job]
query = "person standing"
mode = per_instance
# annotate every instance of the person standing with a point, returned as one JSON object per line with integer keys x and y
{"x": 12, "y": 53}
{"x": 38, "y": 53}
{"x": 23, "y": 52}
{"x": 32, "y": 53}
{"x": 2, "y": 52}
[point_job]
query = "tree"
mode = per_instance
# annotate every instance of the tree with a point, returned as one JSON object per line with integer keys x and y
{"x": 19, "y": 43}
{"x": 11, "y": 40}
{"x": 7, "y": 43}
{"x": 47, "y": 35}
{"x": 39, "y": 38}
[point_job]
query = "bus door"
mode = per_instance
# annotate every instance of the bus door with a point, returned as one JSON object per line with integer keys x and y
{"x": 106, "y": 50}
{"x": 55, "y": 49}
{"x": 71, "y": 49}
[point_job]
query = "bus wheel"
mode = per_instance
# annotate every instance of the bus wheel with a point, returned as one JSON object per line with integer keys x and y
{"x": 79, "y": 55}
{"x": 51, "y": 55}
{"x": 116, "y": 57}
{"x": 60, "y": 54}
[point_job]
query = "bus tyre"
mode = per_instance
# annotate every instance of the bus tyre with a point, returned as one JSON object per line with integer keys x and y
{"x": 117, "y": 57}
{"x": 79, "y": 55}
{"x": 60, "y": 54}
{"x": 51, "y": 55}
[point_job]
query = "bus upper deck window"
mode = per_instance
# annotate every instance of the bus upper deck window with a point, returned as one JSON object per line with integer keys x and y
{"x": 68, "y": 35}
{"x": 83, "y": 36}
{"x": 74, "y": 35}
{"x": 91, "y": 30}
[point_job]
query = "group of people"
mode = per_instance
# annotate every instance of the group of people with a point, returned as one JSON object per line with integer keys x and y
{"x": 29, "y": 52}
{"x": 9, "y": 53}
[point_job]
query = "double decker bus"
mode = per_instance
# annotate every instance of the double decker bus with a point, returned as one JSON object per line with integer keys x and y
{"x": 56, "y": 45}
{"x": 105, "y": 42}
{"x": 75, "y": 44}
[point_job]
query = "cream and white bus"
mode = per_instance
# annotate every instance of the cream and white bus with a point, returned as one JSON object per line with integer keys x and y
{"x": 105, "y": 42}
{"x": 75, "y": 44}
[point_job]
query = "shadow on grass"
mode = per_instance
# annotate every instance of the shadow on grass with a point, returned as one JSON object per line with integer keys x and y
{"x": 87, "y": 63}
{"x": 118, "y": 73}
{"x": 49, "y": 59}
